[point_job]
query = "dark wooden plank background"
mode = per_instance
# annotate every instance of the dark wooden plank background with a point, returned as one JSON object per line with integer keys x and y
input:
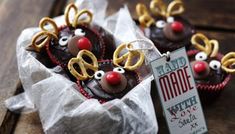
{"x": 213, "y": 17}
{"x": 15, "y": 16}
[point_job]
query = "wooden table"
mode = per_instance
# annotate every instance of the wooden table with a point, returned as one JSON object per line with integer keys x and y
{"x": 214, "y": 18}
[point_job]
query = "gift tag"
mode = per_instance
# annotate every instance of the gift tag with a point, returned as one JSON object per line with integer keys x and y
{"x": 178, "y": 93}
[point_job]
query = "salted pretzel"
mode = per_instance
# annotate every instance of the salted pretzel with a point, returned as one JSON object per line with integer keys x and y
{"x": 158, "y": 8}
{"x": 227, "y": 61}
{"x": 45, "y": 34}
{"x": 144, "y": 17}
{"x": 210, "y": 47}
{"x": 83, "y": 65}
{"x": 128, "y": 57}
{"x": 77, "y": 15}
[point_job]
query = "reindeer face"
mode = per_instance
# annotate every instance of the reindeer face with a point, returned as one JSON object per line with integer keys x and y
{"x": 65, "y": 42}
{"x": 166, "y": 29}
{"x": 209, "y": 66}
{"x": 71, "y": 41}
{"x": 107, "y": 79}
{"x": 110, "y": 81}
{"x": 206, "y": 69}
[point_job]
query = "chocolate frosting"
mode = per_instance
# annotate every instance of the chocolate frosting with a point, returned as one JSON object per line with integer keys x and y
{"x": 170, "y": 43}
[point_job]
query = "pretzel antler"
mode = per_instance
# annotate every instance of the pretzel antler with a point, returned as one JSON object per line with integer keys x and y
{"x": 227, "y": 61}
{"x": 83, "y": 65}
{"x": 45, "y": 35}
{"x": 128, "y": 57}
{"x": 176, "y": 7}
{"x": 210, "y": 47}
{"x": 158, "y": 7}
{"x": 77, "y": 15}
{"x": 145, "y": 18}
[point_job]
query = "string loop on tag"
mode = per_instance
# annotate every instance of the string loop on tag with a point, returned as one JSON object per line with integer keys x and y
{"x": 167, "y": 55}
{"x": 151, "y": 47}
{"x": 129, "y": 47}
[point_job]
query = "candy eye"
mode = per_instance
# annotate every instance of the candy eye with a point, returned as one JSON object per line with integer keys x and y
{"x": 79, "y": 32}
{"x": 215, "y": 65}
{"x": 119, "y": 70}
{"x": 170, "y": 19}
{"x": 160, "y": 24}
{"x": 63, "y": 41}
{"x": 99, "y": 74}
{"x": 201, "y": 56}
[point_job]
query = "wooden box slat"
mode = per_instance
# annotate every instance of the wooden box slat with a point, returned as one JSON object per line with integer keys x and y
{"x": 29, "y": 124}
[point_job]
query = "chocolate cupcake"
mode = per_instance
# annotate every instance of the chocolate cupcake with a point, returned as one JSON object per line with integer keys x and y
{"x": 64, "y": 42}
{"x": 164, "y": 26}
{"x": 106, "y": 79}
{"x": 211, "y": 70}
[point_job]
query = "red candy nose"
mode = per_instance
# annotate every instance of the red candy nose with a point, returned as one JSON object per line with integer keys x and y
{"x": 113, "y": 78}
{"x": 177, "y": 27}
{"x": 199, "y": 67}
{"x": 84, "y": 43}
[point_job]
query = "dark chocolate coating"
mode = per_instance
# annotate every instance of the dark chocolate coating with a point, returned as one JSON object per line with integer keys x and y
{"x": 164, "y": 44}
{"x": 95, "y": 90}
{"x": 43, "y": 58}
{"x": 108, "y": 40}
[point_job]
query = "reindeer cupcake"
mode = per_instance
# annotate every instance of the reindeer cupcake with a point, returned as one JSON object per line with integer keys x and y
{"x": 211, "y": 70}
{"x": 164, "y": 26}
{"x": 106, "y": 79}
{"x": 64, "y": 42}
